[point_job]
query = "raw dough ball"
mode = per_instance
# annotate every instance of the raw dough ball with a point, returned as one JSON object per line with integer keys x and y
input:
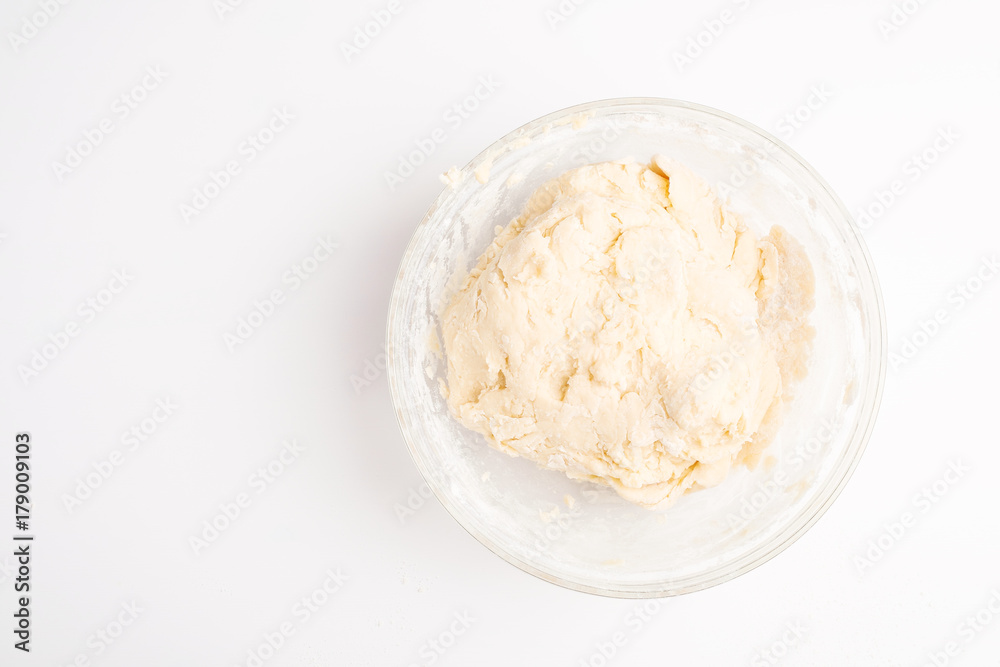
{"x": 628, "y": 330}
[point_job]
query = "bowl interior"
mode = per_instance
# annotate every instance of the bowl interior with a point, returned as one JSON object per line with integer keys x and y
{"x": 594, "y": 541}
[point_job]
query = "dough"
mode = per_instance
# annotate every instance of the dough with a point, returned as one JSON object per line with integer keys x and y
{"x": 629, "y": 330}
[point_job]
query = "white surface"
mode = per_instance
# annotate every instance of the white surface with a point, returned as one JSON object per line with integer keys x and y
{"x": 333, "y": 507}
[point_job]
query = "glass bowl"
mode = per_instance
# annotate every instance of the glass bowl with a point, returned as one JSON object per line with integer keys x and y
{"x": 584, "y": 536}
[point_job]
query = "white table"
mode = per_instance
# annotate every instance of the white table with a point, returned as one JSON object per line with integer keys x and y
{"x": 198, "y": 238}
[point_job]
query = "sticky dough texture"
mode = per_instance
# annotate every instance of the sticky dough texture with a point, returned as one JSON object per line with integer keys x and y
{"x": 629, "y": 330}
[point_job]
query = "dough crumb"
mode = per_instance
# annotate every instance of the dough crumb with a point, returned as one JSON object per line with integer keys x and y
{"x": 548, "y": 516}
{"x": 452, "y": 177}
{"x": 514, "y": 179}
{"x": 483, "y": 172}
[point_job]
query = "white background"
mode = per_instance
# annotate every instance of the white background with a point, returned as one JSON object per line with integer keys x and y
{"x": 323, "y": 176}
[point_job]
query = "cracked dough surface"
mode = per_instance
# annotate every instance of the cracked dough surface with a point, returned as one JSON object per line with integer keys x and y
{"x": 629, "y": 330}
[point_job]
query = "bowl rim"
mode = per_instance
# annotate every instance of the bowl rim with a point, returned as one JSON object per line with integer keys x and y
{"x": 844, "y": 468}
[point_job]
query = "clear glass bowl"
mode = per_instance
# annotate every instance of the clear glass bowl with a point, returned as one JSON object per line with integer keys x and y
{"x": 603, "y": 544}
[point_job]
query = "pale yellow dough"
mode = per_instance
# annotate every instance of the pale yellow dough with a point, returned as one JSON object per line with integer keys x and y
{"x": 629, "y": 330}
